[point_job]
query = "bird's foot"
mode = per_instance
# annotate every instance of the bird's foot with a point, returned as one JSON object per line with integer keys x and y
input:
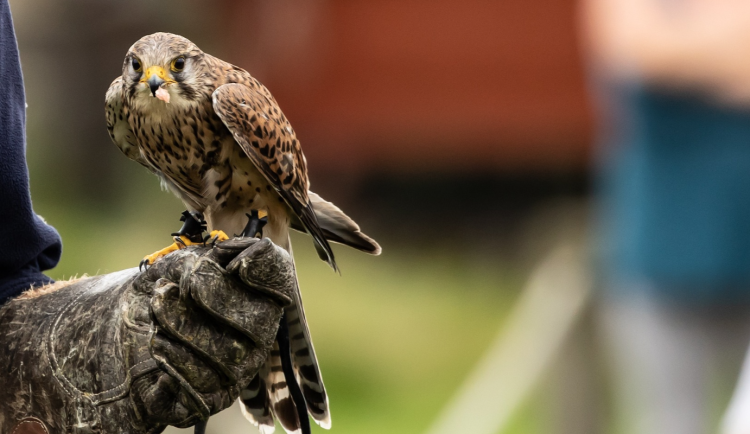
{"x": 190, "y": 234}
{"x": 180, "y": 242}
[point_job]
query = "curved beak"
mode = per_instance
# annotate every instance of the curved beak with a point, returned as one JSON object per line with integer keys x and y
{"x": 155, "y": 76}
{"x": 153, "y": 83}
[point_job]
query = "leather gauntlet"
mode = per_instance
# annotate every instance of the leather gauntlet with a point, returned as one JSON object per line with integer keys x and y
{"x": 132, "y": 352}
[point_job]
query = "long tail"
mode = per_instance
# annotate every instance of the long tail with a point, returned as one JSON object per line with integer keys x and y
{"x": 337, "y": 226}
{"x": 269, "y": 395}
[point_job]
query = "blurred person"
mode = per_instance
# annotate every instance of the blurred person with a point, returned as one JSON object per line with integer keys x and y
{"x": 125, "y": 351}
{"x": 672, "y": 79}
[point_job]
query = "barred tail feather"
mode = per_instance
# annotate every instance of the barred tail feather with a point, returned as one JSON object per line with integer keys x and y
{"x": 278, "y": 403}
{"x": 306, "y": 368}
{"x": 268, "y": 396}
{"x": 282, "y": 403}
{"x": 255, "y": 403}
{"x": 304, "y": 361}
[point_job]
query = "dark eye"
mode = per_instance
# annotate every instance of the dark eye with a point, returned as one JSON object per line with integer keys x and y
{"x": 136, "y": 64}
{"x": 178, "y": 64}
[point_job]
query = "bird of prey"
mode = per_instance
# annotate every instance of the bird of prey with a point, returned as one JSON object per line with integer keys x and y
{"x": 217, "y": 139}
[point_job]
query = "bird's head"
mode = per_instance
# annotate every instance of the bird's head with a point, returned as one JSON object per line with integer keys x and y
{"x": 165, "y": 67}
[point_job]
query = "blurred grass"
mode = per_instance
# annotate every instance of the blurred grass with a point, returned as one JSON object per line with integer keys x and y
{"x": 395, "y": 334}
{"x": 396, "y": 337}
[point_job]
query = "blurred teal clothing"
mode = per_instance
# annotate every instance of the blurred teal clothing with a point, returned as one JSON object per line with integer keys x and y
{"x": 674, "y": 189}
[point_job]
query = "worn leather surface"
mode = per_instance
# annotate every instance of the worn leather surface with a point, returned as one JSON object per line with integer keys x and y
{"x": 132, "y": 352}
{"x": 29, "y": 425}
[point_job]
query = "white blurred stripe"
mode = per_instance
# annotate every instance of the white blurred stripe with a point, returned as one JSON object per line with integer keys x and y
{"x": 553, "y": 298}
{"x": 229, "y": 421}
{"x": 737, "y": 418}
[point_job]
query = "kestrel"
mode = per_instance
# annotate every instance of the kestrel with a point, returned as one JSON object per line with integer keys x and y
{"x": 217, "y": 139}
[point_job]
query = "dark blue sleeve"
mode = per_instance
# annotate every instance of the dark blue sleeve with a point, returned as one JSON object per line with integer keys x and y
{"x": 28, "y": 244}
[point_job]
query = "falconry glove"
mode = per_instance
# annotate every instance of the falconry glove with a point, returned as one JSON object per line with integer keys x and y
{"x": 132, "y": 352}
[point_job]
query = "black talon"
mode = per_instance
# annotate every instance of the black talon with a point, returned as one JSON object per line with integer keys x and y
{"x": 254, "y": 227}
{"x": 143, "y": 265}
{"x": 179, "y": 241}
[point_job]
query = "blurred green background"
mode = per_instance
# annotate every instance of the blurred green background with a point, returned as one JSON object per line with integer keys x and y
{"x": 456, "y": 135}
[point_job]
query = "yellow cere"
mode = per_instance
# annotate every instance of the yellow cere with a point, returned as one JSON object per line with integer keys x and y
{"x": 159, "y": 72}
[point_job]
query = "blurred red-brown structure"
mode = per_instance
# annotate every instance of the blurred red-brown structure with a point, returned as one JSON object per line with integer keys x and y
{"x": 422, "y": 86}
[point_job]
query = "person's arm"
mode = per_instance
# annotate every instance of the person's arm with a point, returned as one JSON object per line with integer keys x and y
{"x": 29, "y": 245}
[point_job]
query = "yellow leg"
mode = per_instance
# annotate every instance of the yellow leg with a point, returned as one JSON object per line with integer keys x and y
{"x": 180, "y": 242}
{"x": 150, "y": 259}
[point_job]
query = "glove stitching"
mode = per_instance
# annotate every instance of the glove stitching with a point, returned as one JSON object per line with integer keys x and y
{"x": 49, "y": 349}
{"x": 201, "y": 353}
{"x": 204, "y": 410}
{"x": 96, "y": 398}
{"x": 99, "y": 399}
{"x": 197, "y": 296}
{"x": 35, "y": 421}
{"x": 49, "y": 352}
